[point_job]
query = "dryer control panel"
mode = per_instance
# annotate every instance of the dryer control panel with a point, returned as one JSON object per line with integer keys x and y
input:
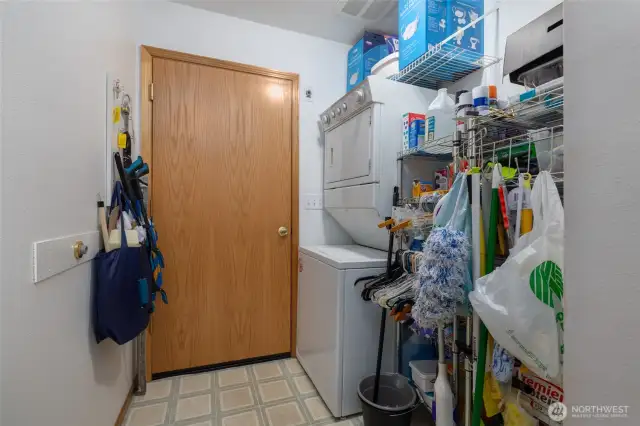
{"x": 356, "y": 100}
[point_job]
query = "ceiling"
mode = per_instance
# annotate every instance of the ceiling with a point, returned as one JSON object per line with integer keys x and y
{"x": 320, "y": 18}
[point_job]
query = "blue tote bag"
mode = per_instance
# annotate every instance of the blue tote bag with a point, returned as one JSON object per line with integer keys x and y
{"x": 122, "y": 294}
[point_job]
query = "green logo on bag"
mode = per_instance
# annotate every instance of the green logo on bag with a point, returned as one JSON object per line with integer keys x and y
{"x": 547, "y": 284}
{"x": 545, "y": 281}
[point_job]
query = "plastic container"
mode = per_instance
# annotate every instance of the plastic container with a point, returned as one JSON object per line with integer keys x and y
{"x": 549, "y": 150}
{"x": 424, "y": 374}
{"x": 396, "y": 401}
{"x": 386, "y": 66}
{"x": 414, "y": 347}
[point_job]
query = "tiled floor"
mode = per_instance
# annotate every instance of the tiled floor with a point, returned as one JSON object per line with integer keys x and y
{"x": 275, "y": 393}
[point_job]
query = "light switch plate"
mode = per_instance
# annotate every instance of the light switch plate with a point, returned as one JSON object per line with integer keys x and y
{"x": 313, "y": 201}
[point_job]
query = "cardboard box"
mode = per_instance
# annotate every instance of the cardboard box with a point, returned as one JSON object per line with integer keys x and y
{"x": 539, "y": 394}
{"x": 364, "y": 55}
{"x": 422, "y": 24}
{"x": 411, "y": 129}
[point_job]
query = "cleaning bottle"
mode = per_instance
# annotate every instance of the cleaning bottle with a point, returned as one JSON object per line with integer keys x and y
{"x": 442, "y": 103}
{"x": 439, "y": 122}
{"x": 442, "y": 388}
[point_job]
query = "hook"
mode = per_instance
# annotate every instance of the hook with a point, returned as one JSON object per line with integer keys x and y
{"x": 126, "y": 101}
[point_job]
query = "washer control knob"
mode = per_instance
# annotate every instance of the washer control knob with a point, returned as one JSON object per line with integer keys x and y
{"x": 359, "y": 96}
{"x": 333, "y": 114}
{"x": 325, "y": 119}
{"x": 344, "y": 106}
{"x": 338, "y": 111}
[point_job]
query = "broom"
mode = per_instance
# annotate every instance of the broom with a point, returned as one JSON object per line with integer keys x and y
{"x": 484, "y": 333}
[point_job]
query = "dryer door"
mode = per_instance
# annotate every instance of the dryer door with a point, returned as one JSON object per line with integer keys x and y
{"x": 348, "y": 152}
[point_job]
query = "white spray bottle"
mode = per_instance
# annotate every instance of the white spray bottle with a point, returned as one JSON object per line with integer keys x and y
{"x": 442, "y": 388}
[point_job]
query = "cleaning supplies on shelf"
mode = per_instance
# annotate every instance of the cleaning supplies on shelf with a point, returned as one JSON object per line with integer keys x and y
{"x": 442, "y": 102}
{"x": 537, "y": 91}
{"x": 493, "y": 96}
{"x": 521, "y": 303}
{"x": 441, "y": 180}
{"x": 480, "y": 95}
{"x": 421, "y": 187}
{"x": 441, "y": 112}
{"x": 410, "y": 131}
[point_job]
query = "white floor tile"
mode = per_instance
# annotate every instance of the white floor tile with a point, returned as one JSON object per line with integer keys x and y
{"x": 150, "y": 415}
{"x": 248, "y": 418}
{"x": 195, "y": 406}
{"x": 195, "y": 383}
{"x": 317, "y": 409}
{"x": 268, "y": 370}
{"x": 158, "y": 389}
{"x": 304, "y": 385}
{"x": 235, "y": 399}
{"x": 288, "y": 414}
{"x": 232, "y": 377}
{"x": 293, "y": 366}
{"x": 274, "y": 391}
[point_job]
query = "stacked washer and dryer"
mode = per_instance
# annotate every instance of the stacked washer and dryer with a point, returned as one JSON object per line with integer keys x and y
{"x": 337, "y": 335}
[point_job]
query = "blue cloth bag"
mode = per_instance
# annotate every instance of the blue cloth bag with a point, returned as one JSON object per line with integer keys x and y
{"x": 122, "y": 293}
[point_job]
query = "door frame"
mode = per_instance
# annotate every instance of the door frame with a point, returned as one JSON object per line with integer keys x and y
{"x": 147, "y": 53}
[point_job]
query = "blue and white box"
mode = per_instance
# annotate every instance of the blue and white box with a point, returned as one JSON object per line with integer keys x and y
{"x": 365, "y": 54}
{"x": 461, "y": 14}
{"x": 422, "y": 24}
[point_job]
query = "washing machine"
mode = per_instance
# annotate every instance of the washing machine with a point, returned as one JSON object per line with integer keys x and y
{"x": 338, "y": 332}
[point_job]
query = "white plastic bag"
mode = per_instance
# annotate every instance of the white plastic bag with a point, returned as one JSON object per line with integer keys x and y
{"x": 521, "y": 303}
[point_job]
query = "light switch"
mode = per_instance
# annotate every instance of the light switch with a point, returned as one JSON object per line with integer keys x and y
{"x": 313, "y": 201}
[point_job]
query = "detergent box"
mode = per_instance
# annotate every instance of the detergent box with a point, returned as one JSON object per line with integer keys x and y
{"x": 422, "y": 24}
{"x": 365, "y": 54}
{"x": 413, "y": 130}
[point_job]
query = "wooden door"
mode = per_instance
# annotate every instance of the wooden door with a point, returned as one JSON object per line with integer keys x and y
{"x": 221, "y": 189}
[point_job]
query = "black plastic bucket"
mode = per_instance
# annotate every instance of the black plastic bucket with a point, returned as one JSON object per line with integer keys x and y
{"x": 396, "y": 401}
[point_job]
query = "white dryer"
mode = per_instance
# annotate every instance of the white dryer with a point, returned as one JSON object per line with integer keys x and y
{"x": 362, "y": 138}
{"x": 337, "y": 335}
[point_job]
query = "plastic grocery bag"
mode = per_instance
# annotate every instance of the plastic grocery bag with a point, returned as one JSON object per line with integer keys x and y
{"x": 521, "y": 303}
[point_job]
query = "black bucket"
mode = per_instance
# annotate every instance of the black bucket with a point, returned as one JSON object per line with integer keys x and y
{"x": 396, "y": 401}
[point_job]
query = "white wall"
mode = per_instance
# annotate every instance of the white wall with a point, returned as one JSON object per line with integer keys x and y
{"x": 55, "y": 59}
{"x": 601, "y": 207}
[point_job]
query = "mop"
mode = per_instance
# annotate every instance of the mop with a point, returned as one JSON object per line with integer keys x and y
{"x": 444, "y": 275}
{"x": 478, "y": 400}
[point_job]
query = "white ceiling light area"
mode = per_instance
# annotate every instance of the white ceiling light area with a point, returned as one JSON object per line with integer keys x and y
{"x": 339, "y": 20}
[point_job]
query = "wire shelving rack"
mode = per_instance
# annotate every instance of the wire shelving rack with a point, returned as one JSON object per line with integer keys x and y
{"x": 447, "y": 61}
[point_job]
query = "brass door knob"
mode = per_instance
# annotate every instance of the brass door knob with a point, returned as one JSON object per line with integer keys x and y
{"x": 283, "y": 231}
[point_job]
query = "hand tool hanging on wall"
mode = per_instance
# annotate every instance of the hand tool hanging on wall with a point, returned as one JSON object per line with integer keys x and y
{"x": 124, "y": 137}
{"x": 130, "y": 178}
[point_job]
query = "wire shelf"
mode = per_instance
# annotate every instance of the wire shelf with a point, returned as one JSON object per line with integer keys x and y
{"x": 439, "y": 149}
{"x": 445, "y": 62}
{"x": 537, "y": 112}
